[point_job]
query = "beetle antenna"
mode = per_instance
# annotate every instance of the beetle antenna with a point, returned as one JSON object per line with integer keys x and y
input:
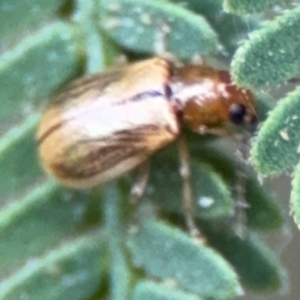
{"x": 188, "y": 204}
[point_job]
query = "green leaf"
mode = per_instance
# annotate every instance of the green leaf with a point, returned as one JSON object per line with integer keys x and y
{"x": 295, "y": 196}
{"x": 36, "y": 67}
{"x": 168, "y": 253}
{"x": 255, "y": 263}
{"x": 34, "y": 222}
{"x": 212, "y": 198}
{"x": 276, "y": 147}
{"x": 100, "y": 50}
{"x": 263, "y": 212}
{"x": 120, "y": 277}
{"x": 249, "y": 6}
{"x": 265, "y": 103}
{"x": 270, "y": 56}
{"x": 148, "y": 290}
{"x": 18, "y": 15}
{"x": 69, "y": 271}
{"x": 18, "y": 159}
{"x": 136, "y": 24}
{"x": 230, "y": 28}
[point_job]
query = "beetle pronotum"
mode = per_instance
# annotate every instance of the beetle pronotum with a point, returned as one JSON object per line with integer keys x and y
{"x": 106, "y": 124}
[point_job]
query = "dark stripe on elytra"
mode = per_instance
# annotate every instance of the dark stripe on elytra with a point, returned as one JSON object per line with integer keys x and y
{"x": 121, "y": 146}
{"x": 137, "y": 97}
{"x": 89, "y": 167}
{"x": 134, "y": 135}
{"x": 97, "y": 81}
{"x": 49, "y": 132}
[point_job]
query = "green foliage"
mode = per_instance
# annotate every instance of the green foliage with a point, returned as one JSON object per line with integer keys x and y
{"x": 270, "y": 57}
{"x": 273, "y": 50}
{"x": 295, "y": 196}
{"x": 194, "y": 267}
{"x": 264, "y": 214}
{"x": 139, "y": 22}
{"x": 53, "y": 48}
{"x": 249, "y": 6}
{"x": 257, "y": 267}
{"x": 61, "y": 244}
{"x": 147, "y": 290}
{"x": 212, "y": 196}
{"x": 230, "y": 28}
{"x": 15, "y": 15}
{"x": 277, "y": 145}
{"x": 71, "y": 271}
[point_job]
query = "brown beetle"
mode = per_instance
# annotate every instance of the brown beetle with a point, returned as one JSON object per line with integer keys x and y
{"x": 106, "y": 124}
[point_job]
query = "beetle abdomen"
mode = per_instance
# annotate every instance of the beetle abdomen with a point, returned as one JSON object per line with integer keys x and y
{"x": 99, "y": 160}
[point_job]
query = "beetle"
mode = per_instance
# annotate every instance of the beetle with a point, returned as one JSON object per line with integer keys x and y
{"x": 106, "y": 124}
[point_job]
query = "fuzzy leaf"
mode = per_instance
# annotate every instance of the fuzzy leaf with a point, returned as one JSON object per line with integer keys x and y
{"x": 136, "y": 24}
{"x": 249, "y": 6}
{"x": 31, "y": 224}
{"x": 100, "y": 50}
{"x": 18, "y": 159}
{"x": 295, "y": 196}
{"x": 70, "y": 271}
{"x": 270, "y": 56}
{"x": 265, "y": 103}
{"x": 167, "y": 253}
{"x": 37, "y": 66}
{"x": 148, "y": 290}
{"x": 263, "y": 212}
{"x": 212, "y": 198}
{"x": 17, "y": 15}
{"x": 276, "y": 147}
{"x": 230, "y": 28}
{"x": 256, "y": 264}
{"x": 120, "y": 275}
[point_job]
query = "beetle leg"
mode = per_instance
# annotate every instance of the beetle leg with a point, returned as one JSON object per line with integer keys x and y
{"x": 240, "y": 206}
{"x": 185, "y": 173}
{"x": 140, "y": 185}
{"x": 241, "y": 203}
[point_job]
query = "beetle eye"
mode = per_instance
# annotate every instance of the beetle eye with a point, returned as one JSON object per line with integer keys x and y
{"x": 237, "y": 113}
